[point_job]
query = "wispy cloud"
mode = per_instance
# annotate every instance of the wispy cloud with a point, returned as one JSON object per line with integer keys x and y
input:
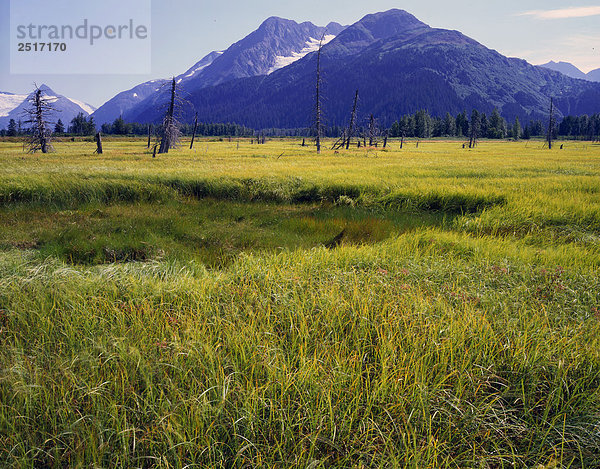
{"x": 571, "y": 12}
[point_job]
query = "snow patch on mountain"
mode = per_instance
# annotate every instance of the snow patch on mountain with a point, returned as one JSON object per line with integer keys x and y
{"x": 312, "y": 45}
{"x": 201, "y": 66}
{"x": 8, "y": 102}
{"x": 86, "y": 107}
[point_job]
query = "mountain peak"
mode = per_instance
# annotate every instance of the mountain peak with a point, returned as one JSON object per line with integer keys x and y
{"x": 273, "y": 21}
{"x": 47, "y": 90}
{"x": 375, "y": 27}
{"x": 391, "y": 22}
{"x": 565, "y": 68}
{"x": 334, "y": 28}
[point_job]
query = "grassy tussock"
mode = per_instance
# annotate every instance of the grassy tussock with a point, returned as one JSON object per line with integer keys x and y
{"x": 373, "y": 356}
{"x": 183, "y": 311}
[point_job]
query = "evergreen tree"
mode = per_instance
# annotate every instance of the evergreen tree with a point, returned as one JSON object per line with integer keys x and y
{"x": 59, "y": 128}
{"x": 496, "y": 125}
{"x": 82, "y": 126}
{"x": 90, "y": 126}
{"x": 537, "y": 128}
{"x": 462, "y": 124}
{"x": 119, "y": 127}
{"x": 483, "y": 127}
{"x": 78, "y": 124}
{"x": 516, "y": 129}
{"x": 474, "y": 128}
{"x": 449, "y": 125}
{"x": 12, "y": 128}
{"x": 422, "y": 124}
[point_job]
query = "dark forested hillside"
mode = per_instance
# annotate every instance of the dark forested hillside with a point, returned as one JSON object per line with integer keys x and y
{"x": 399, "y": 65}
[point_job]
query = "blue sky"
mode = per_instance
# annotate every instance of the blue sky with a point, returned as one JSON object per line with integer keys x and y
{"x": 183, "y": 31}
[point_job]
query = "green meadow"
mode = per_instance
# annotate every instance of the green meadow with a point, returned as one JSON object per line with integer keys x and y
{"x": 243, "y": 305}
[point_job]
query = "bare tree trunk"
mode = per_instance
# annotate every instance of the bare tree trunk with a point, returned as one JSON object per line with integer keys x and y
{"x": 149, "y": 134}
{"x": 169, "y": 123}
{"x": 41, "y": 125}
{"x": 40, "y": 107}
{"x": 371, "y": 130}
{"x": 352, "y": 118}
{"x": 195, "y": 130}
{"x": 318, "y": 97}
{"x": 551, "y": 124}
{"x": 98, "y": 143}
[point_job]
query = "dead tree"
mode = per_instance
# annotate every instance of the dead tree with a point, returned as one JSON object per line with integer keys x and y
{"x": 149, "y": 134}
{"x": 318, "y": 123}
{"x": 352, "y": 120}
{"x": 98, "y": 143}
{"x": 170, "y": 133}
{"x": 371, "y": 130}
{"x": 195, "y": 130}
{"x": 37, "y": 116}
{"x": 551, "y": 124}
{"x": 341, "y": 142}
{"x": 347, "y": 134}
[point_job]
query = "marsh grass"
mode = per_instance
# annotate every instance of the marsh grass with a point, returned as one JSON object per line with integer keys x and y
{"x": 457, "y": 325}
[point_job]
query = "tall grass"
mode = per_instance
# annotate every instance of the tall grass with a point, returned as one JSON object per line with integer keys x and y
{"x": 468, "y": 341}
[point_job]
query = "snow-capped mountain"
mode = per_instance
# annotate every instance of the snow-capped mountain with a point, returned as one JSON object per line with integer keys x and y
{"x": 400, "y": 65}
{"x": 13, "y": 106}
{"x": 275, "y": 44}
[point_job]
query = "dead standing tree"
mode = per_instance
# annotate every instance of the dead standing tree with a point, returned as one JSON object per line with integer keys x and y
{"x": 98, "y": 143}
{"x": 170, "y": 133}
{"x": 195, "y": 130}
{"x": 373, "y": 131}
{"x": 318, "y": 123}
{"x": 348, "y": 133}
{"x": 551, "y": 124}
{"x": 37, "y": 115}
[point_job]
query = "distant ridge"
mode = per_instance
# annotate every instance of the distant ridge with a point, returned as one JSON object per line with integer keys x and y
{"x": 572, "y": 71}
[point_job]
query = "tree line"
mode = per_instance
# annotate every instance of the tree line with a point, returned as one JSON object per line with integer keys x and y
{"x": 81, "y": 125}
{"x": 417, "y": 125}
{"x": 494, "y": 126}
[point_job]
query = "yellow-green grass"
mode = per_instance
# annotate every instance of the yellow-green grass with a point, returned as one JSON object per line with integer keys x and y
{"x": 455, "y": 324}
